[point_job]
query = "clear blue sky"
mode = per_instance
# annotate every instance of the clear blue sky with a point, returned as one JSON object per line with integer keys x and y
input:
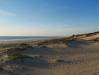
{"x": 48, "y": 17}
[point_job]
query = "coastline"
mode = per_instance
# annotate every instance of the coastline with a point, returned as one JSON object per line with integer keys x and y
{"x": 21, "y": 41}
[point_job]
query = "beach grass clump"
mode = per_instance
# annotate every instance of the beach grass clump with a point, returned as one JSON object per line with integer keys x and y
{"x": 54, "y": 43}
{"x": 24, "y": 45}
{"x": 60, "y": 60}
{"x": 18, "y": 56}
{"x": 97, "y": 39}
{"x": 37, "y": 57}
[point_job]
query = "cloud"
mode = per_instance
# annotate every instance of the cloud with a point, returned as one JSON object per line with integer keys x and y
{"x": 6, "y": 13}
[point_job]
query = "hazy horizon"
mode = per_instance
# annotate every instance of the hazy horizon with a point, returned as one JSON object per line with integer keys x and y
{"x": 48, "y": 17}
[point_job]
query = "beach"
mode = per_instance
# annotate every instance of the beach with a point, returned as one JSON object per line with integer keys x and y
{"x": 62, "y": 56}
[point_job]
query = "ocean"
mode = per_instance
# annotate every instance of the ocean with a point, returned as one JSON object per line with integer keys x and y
{"x": 24, "y": 38}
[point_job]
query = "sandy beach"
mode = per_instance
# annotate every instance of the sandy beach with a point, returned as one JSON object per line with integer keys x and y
{"x": 65, "y": 56}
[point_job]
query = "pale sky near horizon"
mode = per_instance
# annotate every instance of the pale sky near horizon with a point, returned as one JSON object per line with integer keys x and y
{"x": 48, "y": 17}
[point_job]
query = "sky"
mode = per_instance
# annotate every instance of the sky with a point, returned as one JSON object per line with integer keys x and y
{"x": 48, "y": 17}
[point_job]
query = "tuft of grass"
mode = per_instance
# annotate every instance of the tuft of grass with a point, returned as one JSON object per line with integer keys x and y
{"x": 60, "y": 60}
{"x": 24, "y": 45}
{"x": 18, "y": 56}
{"x": 97, "y": 39}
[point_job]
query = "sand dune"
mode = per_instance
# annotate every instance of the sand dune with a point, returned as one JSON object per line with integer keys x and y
{"x": 91, "y": 37}
{"x": 78, "y": 57}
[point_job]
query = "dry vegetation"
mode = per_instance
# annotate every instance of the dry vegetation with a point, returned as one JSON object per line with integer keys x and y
{"x": 97, "y": 39}
{"x": 65, "y": 56}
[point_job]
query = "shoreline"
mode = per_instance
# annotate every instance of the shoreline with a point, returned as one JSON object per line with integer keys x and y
{"x": 28, "y": 40}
